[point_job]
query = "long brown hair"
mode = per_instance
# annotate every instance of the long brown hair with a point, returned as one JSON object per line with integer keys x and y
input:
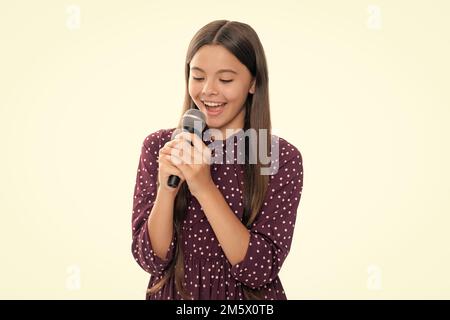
{"x": 242, "y": 41}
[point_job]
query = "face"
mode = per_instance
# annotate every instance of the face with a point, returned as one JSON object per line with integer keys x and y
{"x": 218, "y": 77}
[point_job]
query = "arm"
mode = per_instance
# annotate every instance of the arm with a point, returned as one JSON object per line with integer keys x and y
{"x": 160, "y": 223}
{"x": 225, "y": 223}
{"x": 220, "y": 216}
{"x": 152, "y": 214}
{"x": 267, "y": 246}
{"x": 256, "y": 255}
{"x": 271, "y": 232}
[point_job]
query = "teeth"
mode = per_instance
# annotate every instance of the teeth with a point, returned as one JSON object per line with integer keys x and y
{"x": 211, "y": 104}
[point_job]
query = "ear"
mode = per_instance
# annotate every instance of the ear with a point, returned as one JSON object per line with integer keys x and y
{"x": 252, "y": 88}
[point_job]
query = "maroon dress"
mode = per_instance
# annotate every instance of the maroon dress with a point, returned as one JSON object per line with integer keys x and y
{"x": 208, "y": 273}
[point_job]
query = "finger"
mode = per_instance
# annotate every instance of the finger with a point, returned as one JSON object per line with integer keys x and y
{"x": 184, "y": 151}
{"x": 176, "y": 172}
{"x": 181, "y": 148}
{"x": 206, "y": 156}
{"x": 191, "y": 155}
{"x": 172, "y": 159}
{"x": 170, "y": 145}
{"x": 170, "y": 150}
{"x": 172, "y": 170}
{"x": 174, "y": 146}
{"x": 198, "y": 157}
{"x": 173, "y": 142}
{"x": 175, "y": 132}
{"x": 192, "y": 137}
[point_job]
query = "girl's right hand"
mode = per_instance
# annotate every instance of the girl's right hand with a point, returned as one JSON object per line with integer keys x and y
{"x": 166, "y": 168}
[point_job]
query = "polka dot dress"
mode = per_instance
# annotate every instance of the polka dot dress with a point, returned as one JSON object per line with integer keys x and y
{"x": 208, "y": 273}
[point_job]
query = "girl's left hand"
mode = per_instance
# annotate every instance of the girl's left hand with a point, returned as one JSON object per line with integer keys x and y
{"x": 193, "y": 161}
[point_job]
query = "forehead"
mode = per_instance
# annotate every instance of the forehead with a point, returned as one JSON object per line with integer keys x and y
{"x": 212, "y": 58}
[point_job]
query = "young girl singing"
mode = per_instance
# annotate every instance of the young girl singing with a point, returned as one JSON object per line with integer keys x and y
{"x": 226, "y": 229}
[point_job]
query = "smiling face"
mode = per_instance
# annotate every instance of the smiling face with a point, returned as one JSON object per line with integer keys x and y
{"x": 218, "y": 77}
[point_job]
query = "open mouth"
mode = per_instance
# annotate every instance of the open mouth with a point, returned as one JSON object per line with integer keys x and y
{"x": 214, "y": 109}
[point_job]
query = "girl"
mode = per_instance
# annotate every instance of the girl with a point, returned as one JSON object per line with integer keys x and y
{"x": 226, "y": 230}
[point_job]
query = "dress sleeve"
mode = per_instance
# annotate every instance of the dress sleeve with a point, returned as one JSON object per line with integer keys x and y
{"x": 271, "y": 232}
{"x": 144, "y": 198}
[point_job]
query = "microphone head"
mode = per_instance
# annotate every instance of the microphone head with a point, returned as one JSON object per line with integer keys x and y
{"x": 194, "y": 121}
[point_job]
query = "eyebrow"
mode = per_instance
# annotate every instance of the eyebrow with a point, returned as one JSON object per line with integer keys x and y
{"x": 220, "y": 71}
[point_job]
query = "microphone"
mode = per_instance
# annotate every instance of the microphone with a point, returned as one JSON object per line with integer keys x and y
{"x": 193, "y": 121}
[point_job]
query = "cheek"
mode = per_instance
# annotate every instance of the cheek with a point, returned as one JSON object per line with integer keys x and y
{"x": 194, "y": 91}
{"x": 235, "y": 93}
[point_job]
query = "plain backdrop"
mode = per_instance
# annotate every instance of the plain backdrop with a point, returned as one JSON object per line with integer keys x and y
{"x": 359, "y": 87}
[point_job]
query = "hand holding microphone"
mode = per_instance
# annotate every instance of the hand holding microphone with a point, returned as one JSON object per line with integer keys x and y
{"x": 193, "y": 121}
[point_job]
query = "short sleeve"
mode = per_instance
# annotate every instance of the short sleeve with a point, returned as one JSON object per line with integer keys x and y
{"x": 271, "y": 232}
{"x": 144, "y": 198}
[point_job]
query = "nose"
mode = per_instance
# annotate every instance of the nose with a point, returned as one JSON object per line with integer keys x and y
{"x": 209, "y": 88}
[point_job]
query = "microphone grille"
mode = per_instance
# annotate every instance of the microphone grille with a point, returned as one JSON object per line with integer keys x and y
{"x": 193, "y": 118}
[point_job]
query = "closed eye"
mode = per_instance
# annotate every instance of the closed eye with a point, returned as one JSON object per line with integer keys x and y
{"x": 200, "y": 79}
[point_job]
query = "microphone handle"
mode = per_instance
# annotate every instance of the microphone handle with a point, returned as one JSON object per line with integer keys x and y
{"x": 173, "y": 181}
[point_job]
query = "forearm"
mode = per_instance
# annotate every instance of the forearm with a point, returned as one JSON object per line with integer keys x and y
{"x": 233, "y": 236}
{"x": 160, "y": 223}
